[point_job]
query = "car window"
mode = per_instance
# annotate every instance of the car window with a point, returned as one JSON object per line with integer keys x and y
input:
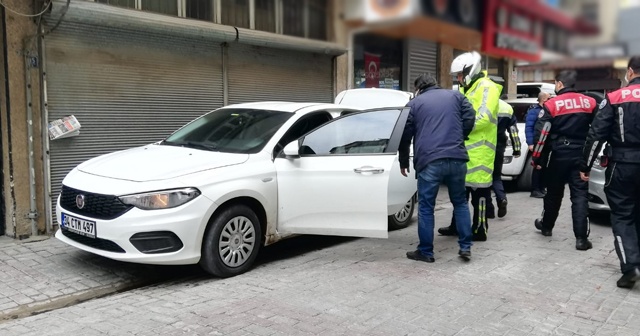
{"x": 230, "y": 130}
{"x": 520, "y": 111}
{"x": 301, "y": 127}
{"x": 358, "y": 133}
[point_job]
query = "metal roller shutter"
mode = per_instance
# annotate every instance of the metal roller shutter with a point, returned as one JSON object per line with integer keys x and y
{"x": 259, "y": 74}
{"x": 126, "y": 89}
{"x": 422, "y": 58}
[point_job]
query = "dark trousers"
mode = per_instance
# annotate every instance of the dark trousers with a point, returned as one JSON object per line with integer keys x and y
{"x": 479, "y": 200}
{"x": 564, "y": 168}
{"x": 537, "y": 183}
{"x": 622, "y": 186}
{"x": 498, "y": 187}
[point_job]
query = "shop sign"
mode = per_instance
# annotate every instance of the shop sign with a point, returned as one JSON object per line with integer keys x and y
{"x": 463, "y": 13}
{"x": 385, "y": 10}
{"x": 511, "y": 34}
{"x": 599, "y": 51}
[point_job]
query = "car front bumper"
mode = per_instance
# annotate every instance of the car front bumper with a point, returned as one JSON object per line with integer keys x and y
{"x": 186, "y": 222}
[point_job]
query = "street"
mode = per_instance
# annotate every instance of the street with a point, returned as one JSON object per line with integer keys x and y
{"x": 517, "y": 283}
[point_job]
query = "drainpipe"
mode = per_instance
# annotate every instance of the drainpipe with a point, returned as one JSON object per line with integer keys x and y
{"x": 33, "y": 210}
{"x": 44, "y": 114}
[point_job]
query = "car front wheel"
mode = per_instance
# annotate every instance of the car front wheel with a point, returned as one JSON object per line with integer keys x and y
{"x": 402, "y": 218}
{"x": 231, "y": 242}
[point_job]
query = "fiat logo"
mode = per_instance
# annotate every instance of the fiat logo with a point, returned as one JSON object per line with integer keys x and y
{"x": 80, "y": 201}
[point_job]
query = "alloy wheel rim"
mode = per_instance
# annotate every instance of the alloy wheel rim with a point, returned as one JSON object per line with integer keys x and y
{"x": 405, "y": 213}
{"x": 237, "y": 241}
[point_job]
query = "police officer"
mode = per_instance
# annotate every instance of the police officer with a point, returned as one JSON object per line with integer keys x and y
{"x": 617, "y": 123}
{"x": 507, "y": 123}
{"x": 561, "y": 131}
{"x": 484, "y": 95}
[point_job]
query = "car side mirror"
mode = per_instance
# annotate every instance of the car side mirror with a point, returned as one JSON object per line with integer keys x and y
{"x": 292, "y": 150}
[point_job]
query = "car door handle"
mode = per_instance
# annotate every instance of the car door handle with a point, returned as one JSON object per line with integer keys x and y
{"x": 371, "y": 170}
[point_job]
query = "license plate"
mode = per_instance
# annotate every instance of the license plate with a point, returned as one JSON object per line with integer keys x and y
{"x": 79, "y": 226}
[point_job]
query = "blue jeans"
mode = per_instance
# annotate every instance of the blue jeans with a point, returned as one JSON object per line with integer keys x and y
{"x": 453, "y": 174}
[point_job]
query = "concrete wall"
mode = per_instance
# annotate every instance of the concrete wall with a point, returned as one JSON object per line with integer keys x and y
{"x": 340, "y": 35}
{"x": 13, "y": 111}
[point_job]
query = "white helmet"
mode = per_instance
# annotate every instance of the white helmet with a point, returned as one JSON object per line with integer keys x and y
{"x": 469, "y": 64}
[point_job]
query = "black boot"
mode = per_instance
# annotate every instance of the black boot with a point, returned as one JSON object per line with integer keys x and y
{"x": 583, "y": 244}
{"x": 502, "y": 208}
{"x": 545, "y": 232}
{"x": 448, "y": 231}
{"x": 629, "y": 278}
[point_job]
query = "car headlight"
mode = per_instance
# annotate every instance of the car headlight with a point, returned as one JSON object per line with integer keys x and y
{"x": 166, "y": 199}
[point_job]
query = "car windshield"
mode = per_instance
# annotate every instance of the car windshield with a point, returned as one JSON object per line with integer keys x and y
{"x": 230, "y": 130}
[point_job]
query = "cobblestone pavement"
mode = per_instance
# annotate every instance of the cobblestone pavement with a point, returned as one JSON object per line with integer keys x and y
{"x": 46, "y": 274}
{"x": 518, "y": 283}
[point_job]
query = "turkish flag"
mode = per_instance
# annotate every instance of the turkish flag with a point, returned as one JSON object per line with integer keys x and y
{"x": 372, "y": 70}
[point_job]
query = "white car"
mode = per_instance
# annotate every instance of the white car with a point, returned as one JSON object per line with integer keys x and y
{"x": 236, "y": 179}
{"x": 597, "y": 197}
{"x": 518, "y": 169}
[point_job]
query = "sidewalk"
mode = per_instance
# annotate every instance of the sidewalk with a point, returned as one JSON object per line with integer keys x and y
{"x": 41, "y": 275}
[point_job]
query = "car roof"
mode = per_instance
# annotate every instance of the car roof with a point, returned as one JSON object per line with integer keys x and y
{"x": 281, "y": 106}
{"x": 529, "y": 101}
{"x": 366, "y": 98}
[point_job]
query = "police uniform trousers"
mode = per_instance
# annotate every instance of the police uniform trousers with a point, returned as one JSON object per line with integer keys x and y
{"x": 622, "y": 186}
{"x": 479, "y": 200}
{"x": 498, "y": 186}
{"x": 564, "y": 168}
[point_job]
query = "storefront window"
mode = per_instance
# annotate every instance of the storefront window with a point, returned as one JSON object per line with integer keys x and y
{"x": 169, "y": 7}
{"x": 200, "y": 9}
{"x": 266, "y": 15}
{"x": 377, "y": 62}
{"x": 121, "y": 3}
{"x": 235, "y": 13}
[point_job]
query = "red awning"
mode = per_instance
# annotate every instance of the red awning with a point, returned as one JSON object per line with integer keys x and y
{"x": 554, "y": 16}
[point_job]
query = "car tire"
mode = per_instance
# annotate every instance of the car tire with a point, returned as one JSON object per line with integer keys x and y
{"x": 524, "y": 180}
{"x": 402, "y": 218}
{"x": 231, "y": 242}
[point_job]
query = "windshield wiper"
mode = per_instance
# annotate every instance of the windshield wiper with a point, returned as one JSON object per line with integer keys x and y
{"x": 191, "y": 144}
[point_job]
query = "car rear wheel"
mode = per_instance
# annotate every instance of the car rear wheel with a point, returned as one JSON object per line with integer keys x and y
{"x": 402, "y": 218}
{"x": 232, "y": 242}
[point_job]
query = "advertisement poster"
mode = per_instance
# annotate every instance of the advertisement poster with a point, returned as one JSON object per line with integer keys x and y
{"x": 372, "y": 70}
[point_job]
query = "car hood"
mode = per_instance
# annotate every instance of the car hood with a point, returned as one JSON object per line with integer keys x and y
{"x": 158, "y": 162}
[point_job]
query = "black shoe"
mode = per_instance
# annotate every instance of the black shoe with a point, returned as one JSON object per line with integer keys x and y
{"x": 479, "y": 237}
{"x": 502, "y": 208}
{"x": 537, "y": 194}
{"x": 583, "y": 244}
{"x": 629, "y": 278}
{"x": 465, "y": 255}
{"x": 491, "y": 214}
{"x": 448, "y": 231}
{"x": 417, "y": 255}
{"x": 545, "y": 232}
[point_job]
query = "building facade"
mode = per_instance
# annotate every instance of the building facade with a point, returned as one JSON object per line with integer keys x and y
{"x": 390, "y": 51}
{"x": 132, "y": 71}
{"x": 595, "y": 57}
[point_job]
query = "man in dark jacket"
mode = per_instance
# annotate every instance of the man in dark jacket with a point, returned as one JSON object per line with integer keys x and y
{"x": 439, "y": 122}
{"x": 537, "y": 187}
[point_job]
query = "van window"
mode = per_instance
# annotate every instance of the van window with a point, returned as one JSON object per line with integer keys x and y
{"x": 520, "y": 111}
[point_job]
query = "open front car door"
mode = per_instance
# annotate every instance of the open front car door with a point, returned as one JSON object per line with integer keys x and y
{"x": 335, "y": 180}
